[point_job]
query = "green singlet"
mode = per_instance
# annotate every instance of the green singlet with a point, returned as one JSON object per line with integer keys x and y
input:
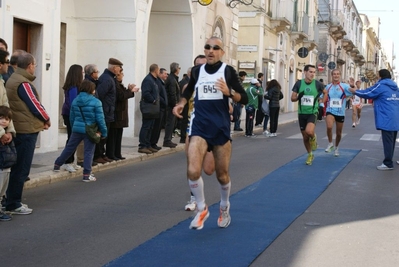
{"x": 309, "y": 101}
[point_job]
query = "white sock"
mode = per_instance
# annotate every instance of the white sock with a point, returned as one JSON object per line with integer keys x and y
{"x": 197, "y": 188}
{"x": 225, "y": 194}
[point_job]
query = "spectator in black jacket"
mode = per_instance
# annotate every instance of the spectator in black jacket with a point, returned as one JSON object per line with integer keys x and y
{"x": 184, "y": 121}
{"x": 173, "y": 93}
{"x": 106, "y": 92}
{"x": 163, "y": 104}
{"x": 150, "y": 95}
{"x": 115, "y": 132}
{"x": 274, "y": 95}
{"x": 259, "y": 113}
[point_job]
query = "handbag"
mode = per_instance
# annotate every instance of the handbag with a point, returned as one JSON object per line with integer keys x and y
{"x": 91, "y": 130}
{"x": 149, "y": 110}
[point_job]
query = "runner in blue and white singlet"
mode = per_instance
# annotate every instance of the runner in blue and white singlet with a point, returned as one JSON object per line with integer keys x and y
{"x": 337, "y": 94}
{"x": 336, "y": 102}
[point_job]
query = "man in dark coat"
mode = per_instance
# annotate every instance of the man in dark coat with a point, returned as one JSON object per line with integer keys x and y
{"x": 115, "y": 132}
{"x": 163, "y": 103}
{"x": 173, "y": 93}
{"x": 184, "y": 121}
{"x": 149, "y": 96}
{"x": 106, "y": 92}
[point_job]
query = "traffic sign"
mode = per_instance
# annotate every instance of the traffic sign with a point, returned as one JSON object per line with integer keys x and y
{"x": 331, "y": 65}
{"x": 323, "y": 57}
{"x": 303, "y": 52}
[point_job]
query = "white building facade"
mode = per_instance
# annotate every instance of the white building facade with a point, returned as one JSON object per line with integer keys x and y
{"x": 60, "y": 33}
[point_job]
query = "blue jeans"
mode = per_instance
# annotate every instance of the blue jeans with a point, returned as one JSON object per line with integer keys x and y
{"x": 70, "y": 148}
{"x": 68, "y": 125}
{"x": 145, "y": 133}
{"x": 265, "y": 122}
{"x": 237, "y": 124}
{"x": 25, "y": 145}
{"x": 388, "y": 142}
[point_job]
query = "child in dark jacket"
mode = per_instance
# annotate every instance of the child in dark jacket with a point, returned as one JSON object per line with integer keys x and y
{"x": 8, "y": 156}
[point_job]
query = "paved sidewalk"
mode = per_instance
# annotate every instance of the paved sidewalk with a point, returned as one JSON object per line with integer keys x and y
{"x": 42, "y": 167}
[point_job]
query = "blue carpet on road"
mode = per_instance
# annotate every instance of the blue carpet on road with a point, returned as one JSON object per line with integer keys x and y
{"x": 260, "y": 213}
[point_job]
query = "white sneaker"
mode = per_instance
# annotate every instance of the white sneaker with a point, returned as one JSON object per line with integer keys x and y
{"x": 273, "y": 135}
{"x": 384, "y": 167}
{"x": 266, "y": 132}
{"x": 224, "y": 217}
{"x": 69, "y": 167}
{"x": 336, "y": 152}
{"x": 358, "y": 122}
{"x": 23, "y": 210}
{"x": 329, "y": 148}
{"x": 191, "y": 205}
{"x": 353, "y": 125}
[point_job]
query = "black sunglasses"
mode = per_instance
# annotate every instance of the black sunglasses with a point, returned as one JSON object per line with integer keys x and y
{"x": 214, "y": 47}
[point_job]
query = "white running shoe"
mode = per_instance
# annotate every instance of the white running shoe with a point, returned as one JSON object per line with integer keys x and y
{"x": 358, "y": 121}
{"x": 336, "y": 152}
{"x": 224, "y": 217}
{"x": 69, "y": 167}
{"x": 353, "y": 125}
{"x": 329, "y": 148}
{"x": 191, "y": 205}
{"x": 266, "y": 132}
{"x": 198, "y": 222}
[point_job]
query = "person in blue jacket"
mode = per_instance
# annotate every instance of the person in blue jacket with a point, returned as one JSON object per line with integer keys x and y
{"x": 85, "y": 109}
{"x": 385, "y": 95}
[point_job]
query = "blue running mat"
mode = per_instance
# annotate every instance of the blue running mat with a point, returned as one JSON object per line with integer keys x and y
{"x": 259, "y": 212}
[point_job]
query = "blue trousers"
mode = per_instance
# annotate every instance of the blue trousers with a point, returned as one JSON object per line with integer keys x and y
{"x": 169, "y": 125}
{"x": 70, "y": 148}
{"x": 388, "y": 142}
{"x": 237, "y": 124}
{"x": 25, "y": 145}
{"x": 145, "y": 133}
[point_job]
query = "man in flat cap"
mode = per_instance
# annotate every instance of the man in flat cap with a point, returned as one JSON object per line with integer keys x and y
{"x": 106, "y": 91}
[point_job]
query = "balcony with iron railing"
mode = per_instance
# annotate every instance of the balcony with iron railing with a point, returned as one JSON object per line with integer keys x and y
{"x": 337, "y": 19}
{"x": 313, "y": 39}
{"x": 281, "y": 15}
{"x": 300, "y": 29}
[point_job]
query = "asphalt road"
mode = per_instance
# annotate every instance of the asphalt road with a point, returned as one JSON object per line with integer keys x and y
{"x": 353, "y": 223}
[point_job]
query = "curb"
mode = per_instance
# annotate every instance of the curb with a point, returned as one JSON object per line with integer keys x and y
{"x": 50, "y": 176}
